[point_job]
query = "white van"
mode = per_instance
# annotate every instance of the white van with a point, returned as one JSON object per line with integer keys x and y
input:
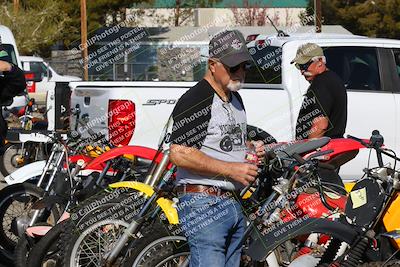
{"x": 9, "y": 44}
{"x": 49, "y": 77}
{"x": 43, "y": 69}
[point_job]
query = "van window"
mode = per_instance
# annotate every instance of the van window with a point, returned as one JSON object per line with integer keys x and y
{"x": 357, "y": 66}
{"x": 39, "y": 68}
{"x": 396, "y": 53}
{"x": 266, "y": 65}
{"x": 11, "y": 53}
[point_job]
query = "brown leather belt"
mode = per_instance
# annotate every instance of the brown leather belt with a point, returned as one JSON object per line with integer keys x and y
{"x": 205, "y": 189}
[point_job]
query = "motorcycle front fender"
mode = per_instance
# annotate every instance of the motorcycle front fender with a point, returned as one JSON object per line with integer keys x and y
{"x": 26, "y": 172}
{"x": 165, "y": 204}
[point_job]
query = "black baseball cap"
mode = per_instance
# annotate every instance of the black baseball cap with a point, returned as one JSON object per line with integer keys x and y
{"x": 229, "y": 47}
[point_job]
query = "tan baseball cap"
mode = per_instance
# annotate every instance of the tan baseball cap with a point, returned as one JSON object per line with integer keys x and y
{"x": 306, "y": 52}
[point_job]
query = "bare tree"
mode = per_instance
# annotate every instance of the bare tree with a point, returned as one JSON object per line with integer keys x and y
{"x": 256, "y": 15}
{"x": 249, "y": 15}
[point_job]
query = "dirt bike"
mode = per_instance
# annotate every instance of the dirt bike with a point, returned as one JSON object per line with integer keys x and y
{"x": 22, "y": 150}
{"x": 373, "y": 211}
{"x": 107, "y": 161}
{"x": 75, "y": 253}
{"x": 162, "y": 248}
{"x": 117, "y": 164}
{"x": 30, "y": 183}
{"x": 364, "y": 234}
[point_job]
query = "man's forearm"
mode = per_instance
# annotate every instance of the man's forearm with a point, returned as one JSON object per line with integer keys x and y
{"x": 5, "y": 66}
{"x": 198, "y": 162}
{"x": 319, "y": 127}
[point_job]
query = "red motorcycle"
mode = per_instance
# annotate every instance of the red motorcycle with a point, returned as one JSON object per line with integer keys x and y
{"x": 312, "y": 191}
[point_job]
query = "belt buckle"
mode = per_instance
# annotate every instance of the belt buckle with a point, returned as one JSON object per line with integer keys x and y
{"x": 219, "y": 192}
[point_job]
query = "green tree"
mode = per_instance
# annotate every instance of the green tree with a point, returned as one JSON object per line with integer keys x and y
{"x": 35, "y": 27}
{"x": 39, "y": 24}
{"x": 100, "y": 13}
{"x": 375, "y": 18}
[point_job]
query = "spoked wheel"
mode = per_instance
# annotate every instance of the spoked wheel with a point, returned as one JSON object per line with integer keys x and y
{"x": 96, "y": 225}
{"x": 158, "y": 248}
{"x": 169, "y": 251}
{"x": 16, "y": 209}
{"x": 96, "y": 242}
{"x": 15, "y": 157}
{"x": 12, "y": 159}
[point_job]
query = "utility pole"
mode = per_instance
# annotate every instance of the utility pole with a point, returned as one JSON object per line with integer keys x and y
{"x": 318, "y": 15}
{"x": 16, "y": 7}
{"x": 84, "y": 40}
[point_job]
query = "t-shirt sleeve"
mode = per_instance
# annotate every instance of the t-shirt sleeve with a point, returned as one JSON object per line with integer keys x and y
{"x": 191, "y": 117}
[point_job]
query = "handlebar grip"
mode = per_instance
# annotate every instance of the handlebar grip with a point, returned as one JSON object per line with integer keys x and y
{"x": 358, "y": 140}
{"x": 269, "y": 155}
{"x": 354, "y": 138}
{"x": 326, "y": 166}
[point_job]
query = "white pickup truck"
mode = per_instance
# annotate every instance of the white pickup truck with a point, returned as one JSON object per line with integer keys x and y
{"x": 272, "y": 95}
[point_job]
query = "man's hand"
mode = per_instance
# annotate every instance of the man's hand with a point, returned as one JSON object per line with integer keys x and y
{"x": 5, "y": 66}
{"x": 243, "y": 173}
{"x": 259, "y": 148}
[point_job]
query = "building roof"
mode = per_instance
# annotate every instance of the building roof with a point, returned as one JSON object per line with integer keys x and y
{"x": 234, "y": 3}
{"x": 189, "y": 35}
{"x": 202, "y": 34}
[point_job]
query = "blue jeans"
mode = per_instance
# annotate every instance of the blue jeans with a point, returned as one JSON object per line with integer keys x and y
{"x": 214, "y": 227}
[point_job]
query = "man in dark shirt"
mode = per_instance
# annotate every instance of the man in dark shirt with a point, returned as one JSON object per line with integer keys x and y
{"x": 324, "y": 108}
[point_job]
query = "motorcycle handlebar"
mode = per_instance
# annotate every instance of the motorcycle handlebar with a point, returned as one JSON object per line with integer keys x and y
{"x": 376, "y": 141}
{"x": 320, "y": 164}
{"x": 358, "y": 140}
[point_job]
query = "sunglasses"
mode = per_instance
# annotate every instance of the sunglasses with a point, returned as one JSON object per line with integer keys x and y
{"x": 245, "y": 65}
{"x": 304, "y": 66}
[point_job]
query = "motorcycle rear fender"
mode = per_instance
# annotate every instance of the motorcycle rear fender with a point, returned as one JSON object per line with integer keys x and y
{"x": 37, "y": 230}
{"x": 165, "y": 204}
{"x": 26, "y": 172}
{"x": 263, "y": 244}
